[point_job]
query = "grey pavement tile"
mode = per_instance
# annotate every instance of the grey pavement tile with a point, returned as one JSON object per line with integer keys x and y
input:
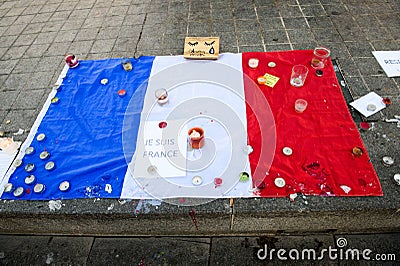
{"x": 133, "y": 20}
{"x": 3, "y": 114}
{"x": 102, "y": 46}
{"x": 263, "y": 250}
{"x": 386, "y": 45}
{"x": 327, "y": 35}
{"x": 368, "y": 21}
{"x": 87, "y": 34}
{"x": 244, "y": 13}
{"x": 93, "y": 22}
{"x": 356, "y": 86}
{"x": 70, "y": 5}
{"x": 43, "y": 250}
{"x": 221, "y": 14}
{"x": 181, "y": 27}
{"x": 15, "y": 52}
{"x": 25, "y": 19}
{"x": 150, "y": 42}
{"x": 57, "y": 48}
{"x": 98, "y": 12}
{"x": 379, "y": 7}
{"x": 49, "y": 8}
{"x": 374, "y": 34}
{"x": 45, "y": 37}
{"x": 359, "y": 49}
{"x": 36, "y": 50}
{"x": 33, "y": 9}
{"x": 382, "y": 247}
{"x": 251, "y": 48}
{"x": 173, "y": 41}
{"x": 49, "y": 65}
{"x": 246, "y": 25}
{"x": 199, "y": 29}
{"x": 310, "y": 45}
{"x": 15, "y": 82}
{"x": 278, "y": 47}
{"x": 357, "y": 8}
{"x": 114, "y": 21}
{"x": 275, "y": 36}
{"x": 295, "y": 23}
{"x": 382, "y": 85}
{"x": 249, "y": 37}
{"x": 139, "y": 8}
{"x": 26, "y": 39}
{"x": 395, "y": 32}
{"x": 66, "y": 36}
{"x": 203, "y": 16}
{"x": 53, "y": 26}
{"x": 33, "y": 28}
{"x": 338, "y": 50}
{"x": 60, "y": 16}
{"x": 15, "y": 29}
{"x": 7, "y": 66}
{"x": 25, "y": 65}
{"x": 315, "y": 10}
{"x": 40, "y": 79}
{"x": 368, "y": 66}
{"x": 79, "y": 14}
{"x": 3, "y": 50}
{"x": 223, "y": 26}
{"x": 3, "y": 29}
{"x": 80, "y": 47}
{"x": 271, "y": 23}
{"x": 7, "y": 21}
{"x": 7, "y": 98}
{"x": 85, "y": 4}
{"x": 336, "y": 9}
{"x": 29, "y": 99}
{"x": 7, "y": 41}
{"x": 119, "y": 10}
{"x": 108, "y": 33}
{"x": 349, "y": 67}
{"x": 73, "y": 24}
{"x": 124, "y": 44}
{"x": 41, "y": 17}
{"x": 150, "y": 251}
{"x": 290, "y": 11}
{"x": 390, "y": 111}
{"x": 130, "y": 32}
{"x": 301, "y": 36}
{"x": 389, "y": 20}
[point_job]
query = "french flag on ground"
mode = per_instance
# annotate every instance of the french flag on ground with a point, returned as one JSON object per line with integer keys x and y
{"x": 108, "y": 136}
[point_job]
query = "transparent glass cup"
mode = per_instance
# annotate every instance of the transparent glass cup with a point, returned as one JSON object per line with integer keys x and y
{"x": 299, "y": 74}
{"x": 300, "y": 105}
{"x": 320, "y": 57}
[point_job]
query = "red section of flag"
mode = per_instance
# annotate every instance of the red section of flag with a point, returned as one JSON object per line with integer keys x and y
{"x": 322, "y": 138}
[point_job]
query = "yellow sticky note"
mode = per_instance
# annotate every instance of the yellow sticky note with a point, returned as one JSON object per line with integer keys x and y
{"x": 270, "y": 80}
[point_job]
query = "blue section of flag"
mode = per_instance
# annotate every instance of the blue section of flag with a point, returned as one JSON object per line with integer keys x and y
{"x": 84, "y": 132}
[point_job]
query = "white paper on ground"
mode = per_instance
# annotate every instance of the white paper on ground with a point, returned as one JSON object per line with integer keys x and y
{"x": 389, "y": 61}
{"x": 371, "y": 98}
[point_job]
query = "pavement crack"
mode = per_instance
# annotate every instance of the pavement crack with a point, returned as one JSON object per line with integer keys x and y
{"x": 140, "y": 35}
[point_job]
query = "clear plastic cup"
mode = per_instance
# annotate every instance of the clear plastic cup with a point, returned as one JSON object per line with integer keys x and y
{"x": 299, "y": 74}
{"x": 300, "y": 105}
{"x": 320, "y": 57}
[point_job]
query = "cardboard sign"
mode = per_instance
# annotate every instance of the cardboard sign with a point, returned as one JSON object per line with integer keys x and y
{"x": 201, "y": 47}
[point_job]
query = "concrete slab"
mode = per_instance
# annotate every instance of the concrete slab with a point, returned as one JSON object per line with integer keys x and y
{"x": 44, "y": 250}
{"x": 150, "y": 251}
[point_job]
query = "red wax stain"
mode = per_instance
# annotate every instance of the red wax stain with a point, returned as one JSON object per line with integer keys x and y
{"x": 364, "y": 125}
{"x": 122, "y": 93}
{"x": 56, "y": 141}
{"x": 162, "y": 124}
{"x": 387, "y": 101}
{"x": 212, "y": 120}
{"x": 217, "y": 181}
{"x": 28, "y": 191}
{"x": 182, "y": 200}
{"x": 201, "y": 113}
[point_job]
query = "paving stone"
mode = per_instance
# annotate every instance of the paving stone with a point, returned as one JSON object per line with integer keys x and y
{"x": 74, "y": 24}
{"x": 249, "y": 38}
{"x": 44, "y": 250}
{"x": 36, "y": 50}
{"x": 28, "y": 99}
{"x": 7, "y": 66}
{"x": 264, "y": 250}
{"x": 251, "y": 48}
{"x": 14, "y": 52}
{"x": 19, "y": 119}
{"x": 275, "y": 37}
{"x": 80, "y": 47}
{"x": 7, "y": 41}
{"x": 108, "y": 33}
{"x": 270, "y": 23}
{"x": 313, "y": 10}
{"x": 359, "y": 49}
{"x": 66, "y": 36}
{"x": 53, "y": 26}
{"x": 300, "y": 36}
{"x": 33, "y": 28}
{"x": 60, "y": 16}
{"x": 7, "y": 98}
{"x": 14, "y": 29}
{"x": 146, "y": 251}
{"x": 114, "y": 21}
{"x": 295, "y": 23}
{"x": 15, "y": 82}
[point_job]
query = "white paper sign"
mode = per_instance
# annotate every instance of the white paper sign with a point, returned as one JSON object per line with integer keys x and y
{"x": 371, "y": 99}
{"x": 389, "y": 61}
{"x": 161, "y": 150}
